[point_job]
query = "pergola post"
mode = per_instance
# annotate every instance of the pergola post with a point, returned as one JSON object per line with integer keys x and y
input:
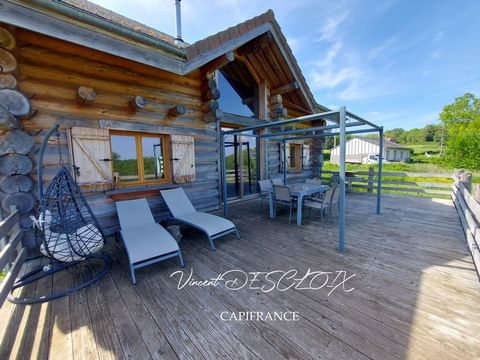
{"x": 380, "y": 163}
{"x": 341, "y": 204}
{"x": 283, "y": 136}
{"x": 224, "y": 173}
{"x": 284, "y": 162}
{"x": 267, "y": 173}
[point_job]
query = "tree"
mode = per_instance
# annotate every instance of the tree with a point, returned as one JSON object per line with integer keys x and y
{"x": 462, "y": 113}
{"x": 429, "y": 132}
{"x": 462, "y": 125}
{"x": 394, "y": 133}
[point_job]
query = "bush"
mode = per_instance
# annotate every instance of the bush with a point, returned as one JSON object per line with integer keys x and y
{"x": 463, "y": 150}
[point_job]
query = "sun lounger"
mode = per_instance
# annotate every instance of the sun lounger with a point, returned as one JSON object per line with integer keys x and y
{"x": 146, "y": 242}
{"x": 184, "y": 212}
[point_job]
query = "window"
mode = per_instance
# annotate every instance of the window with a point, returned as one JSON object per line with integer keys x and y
{"x": 295, "y": 157}
{"x": 139, "y": 158}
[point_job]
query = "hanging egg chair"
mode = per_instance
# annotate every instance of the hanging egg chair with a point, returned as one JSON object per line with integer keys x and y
{"x": 69, "y": 231}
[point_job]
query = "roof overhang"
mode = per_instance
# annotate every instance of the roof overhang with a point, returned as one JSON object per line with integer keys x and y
{"x": 61, "y": 20}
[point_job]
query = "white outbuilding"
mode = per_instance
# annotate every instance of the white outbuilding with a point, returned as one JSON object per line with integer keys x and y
{"x": 365, "y": 150}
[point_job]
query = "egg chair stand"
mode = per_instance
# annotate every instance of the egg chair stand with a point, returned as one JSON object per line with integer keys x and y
{"x": 71, "y": 234}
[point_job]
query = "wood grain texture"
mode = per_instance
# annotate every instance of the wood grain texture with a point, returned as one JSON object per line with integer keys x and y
{"x": 8, "y": 63}
{"x": 15, "y": 101}
{"x": 415, "y": 296}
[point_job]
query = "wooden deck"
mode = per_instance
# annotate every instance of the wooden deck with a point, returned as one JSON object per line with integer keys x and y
{"x": 416, "y": 295}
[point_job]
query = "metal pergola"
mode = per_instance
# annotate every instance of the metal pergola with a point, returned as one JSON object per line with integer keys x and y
{"x": 341, "y": 118}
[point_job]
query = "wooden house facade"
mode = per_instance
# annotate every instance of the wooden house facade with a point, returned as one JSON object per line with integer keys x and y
{"x": 122, "y": 91}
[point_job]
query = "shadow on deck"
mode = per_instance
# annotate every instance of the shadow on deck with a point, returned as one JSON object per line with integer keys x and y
{"x": 415, "y": 294}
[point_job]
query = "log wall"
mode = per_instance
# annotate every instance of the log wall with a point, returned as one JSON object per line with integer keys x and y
{"x": 53, "y": 70}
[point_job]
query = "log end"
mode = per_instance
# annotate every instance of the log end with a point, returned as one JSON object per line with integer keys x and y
{"x": 86, "y": 95}
{"x": 22, "y": 201}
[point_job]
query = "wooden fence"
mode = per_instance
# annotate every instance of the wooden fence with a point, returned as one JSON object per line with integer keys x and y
{"x": 419, "y": 184}
{"x": 12, "y": 252}
{"x": 468, "y": 209}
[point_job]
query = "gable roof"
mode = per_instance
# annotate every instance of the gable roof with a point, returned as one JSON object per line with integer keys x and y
{"x": 87, "y": 24}
{"x": 386, "y": 143}
{"x": 203, "y": 51}
{"x": 116, "y": 18}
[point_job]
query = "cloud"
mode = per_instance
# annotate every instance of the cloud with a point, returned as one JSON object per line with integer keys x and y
{"x": 328, "y": 31}
{"x": 383, "y": 48}
{"x": 295, "y": 43}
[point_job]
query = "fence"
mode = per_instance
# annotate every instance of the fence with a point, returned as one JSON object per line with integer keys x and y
{"x": 12, "y": 253}
{"x": 419, "y": 184}
{"x": 468, "y": 209}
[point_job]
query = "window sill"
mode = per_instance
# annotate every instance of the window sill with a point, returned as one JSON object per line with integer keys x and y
{"x": 138, "y": 191}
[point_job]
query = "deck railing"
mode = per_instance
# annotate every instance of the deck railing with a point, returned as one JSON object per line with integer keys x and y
{"x": 12, "y": 252}
{"x": 419, "y": 184}
{"x": 468, "y": 209}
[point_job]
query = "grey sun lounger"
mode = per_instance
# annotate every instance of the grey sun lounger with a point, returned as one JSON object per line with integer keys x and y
{"x": 146, "y": 242}
{"x": 184, "y": 212}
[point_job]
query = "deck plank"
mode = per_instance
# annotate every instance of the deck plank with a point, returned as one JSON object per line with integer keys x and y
{"x": 416, "y": 294}
{"x": 37, "y": 344}
{"x": 61, "y": 334}
{"x": 151, "y": 333}
{"x": 106, "y": 339}
{"x": 15, "y": 329}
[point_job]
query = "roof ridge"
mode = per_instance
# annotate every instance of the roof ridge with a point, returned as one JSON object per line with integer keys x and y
{"x": 116, "y": 18}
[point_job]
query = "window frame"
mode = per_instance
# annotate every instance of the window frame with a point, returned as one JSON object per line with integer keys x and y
{"x": 298, "y": 152}
{"x": 138, "y": 135}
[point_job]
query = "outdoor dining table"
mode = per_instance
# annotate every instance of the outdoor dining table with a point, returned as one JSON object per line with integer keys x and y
{"x": 298, "y": 190}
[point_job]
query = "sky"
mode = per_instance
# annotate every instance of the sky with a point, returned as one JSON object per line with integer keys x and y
{"x": 394, "y": 62}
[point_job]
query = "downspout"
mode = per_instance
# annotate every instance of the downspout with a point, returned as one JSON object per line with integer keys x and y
{"x": 91, "y": 19}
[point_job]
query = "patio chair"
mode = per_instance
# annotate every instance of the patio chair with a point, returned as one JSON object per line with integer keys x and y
{"x": 265, "y": 189}
{"x": 183, "y": 211}
{"x": 329, "y": 199}
{"x": 146, "y": 241}
{"x": 284, "y": 197}
{"x": 317, "y": 196}
{"x": 277, "y": 181}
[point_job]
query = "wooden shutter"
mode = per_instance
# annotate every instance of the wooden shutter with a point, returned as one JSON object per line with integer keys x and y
{"x": 305, "y": 155}
{"x": 183, "y": 159}
{"x": 287, "y": 155}
{"x": 91, "y": 158}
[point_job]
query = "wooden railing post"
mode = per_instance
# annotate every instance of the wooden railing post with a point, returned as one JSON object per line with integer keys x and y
{"x": 466, "y": 178}
{"x": 12, "y": 253}
{"x": 371, "y": 175}
{"x": 468, "y": 209}
{"x": 476, "y": 192}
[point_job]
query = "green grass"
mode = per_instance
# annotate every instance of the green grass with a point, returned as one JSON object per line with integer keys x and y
{"x": 393, "y": 167}
{"x": 2, "y": 275}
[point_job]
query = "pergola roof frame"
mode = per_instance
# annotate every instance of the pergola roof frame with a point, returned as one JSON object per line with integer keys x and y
{"x": 342, "y": 114}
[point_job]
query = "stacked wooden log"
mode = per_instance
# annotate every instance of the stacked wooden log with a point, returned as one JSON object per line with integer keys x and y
{"x": 277, "y": 110}
{"x": 16, "y": 185}
{"x": 211, "y": 95}
{"x": 316, "y": 156}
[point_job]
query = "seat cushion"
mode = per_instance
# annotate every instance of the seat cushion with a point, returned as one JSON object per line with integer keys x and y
{"x": 86, "y": 240}
{"x": 211, "y": 224}
{"x": 148, "y": 241}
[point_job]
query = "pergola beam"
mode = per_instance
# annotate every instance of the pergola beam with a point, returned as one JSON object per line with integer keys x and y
{"x": 303, "y": 137}
{"x": 366, "y": 122}
{"x": 319, "y": 116}
{"x": 343, "y": 116}
{"x": 311, "y": 129}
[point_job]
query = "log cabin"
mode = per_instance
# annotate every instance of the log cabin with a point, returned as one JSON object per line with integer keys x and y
{"x": 139, "y": 110}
